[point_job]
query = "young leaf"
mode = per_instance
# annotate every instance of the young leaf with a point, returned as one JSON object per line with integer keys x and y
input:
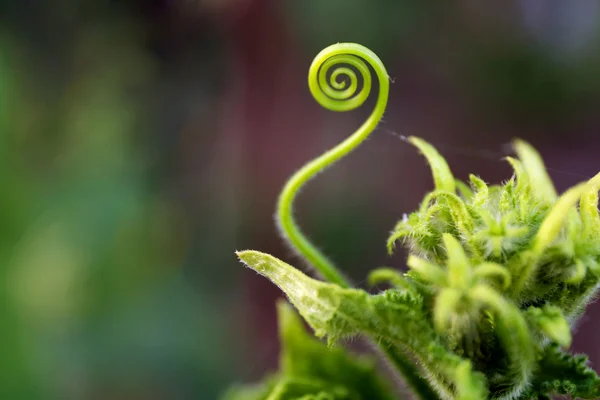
{"x": 442, "y": 176}
{"x": 552, "y": 323}
{"x": 393, "y": 317}
{"x": 564, "y": 374}
{"x": 534, "y": 167}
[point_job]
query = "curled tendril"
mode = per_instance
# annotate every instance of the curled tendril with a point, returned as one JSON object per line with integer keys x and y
{"x": 342, "y": 60}
{"x": 334, "y": 93}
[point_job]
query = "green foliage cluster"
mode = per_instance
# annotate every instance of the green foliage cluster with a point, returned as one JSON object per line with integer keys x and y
{"x": 498, "y": 276}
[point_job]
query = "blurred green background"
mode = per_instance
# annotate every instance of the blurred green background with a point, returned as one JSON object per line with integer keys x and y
{"x": 142, "y": 142}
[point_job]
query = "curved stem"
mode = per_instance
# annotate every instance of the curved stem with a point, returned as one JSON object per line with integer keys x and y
{"x": 338, "y": 95}
{"x": 421, "y": 388}
{"x": 515, "y": 335}
{"x": 335, "y": 95}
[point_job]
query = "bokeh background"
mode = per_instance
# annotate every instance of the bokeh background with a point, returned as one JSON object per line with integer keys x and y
{"x": 142, "y": 142}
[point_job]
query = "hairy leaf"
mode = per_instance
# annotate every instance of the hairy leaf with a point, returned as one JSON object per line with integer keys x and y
{"x": 564, "y": 374}
{"x": 397, "y": 318}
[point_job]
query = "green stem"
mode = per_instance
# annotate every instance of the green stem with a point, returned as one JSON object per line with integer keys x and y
{"x": 335, "y": 95}
{"x": 342, "y": 95}
{"x": 515, "y": 335}
{"x": 408, "y": 370}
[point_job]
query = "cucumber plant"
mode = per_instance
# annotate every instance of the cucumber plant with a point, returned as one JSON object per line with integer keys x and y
{"x": 497, "y": 276}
